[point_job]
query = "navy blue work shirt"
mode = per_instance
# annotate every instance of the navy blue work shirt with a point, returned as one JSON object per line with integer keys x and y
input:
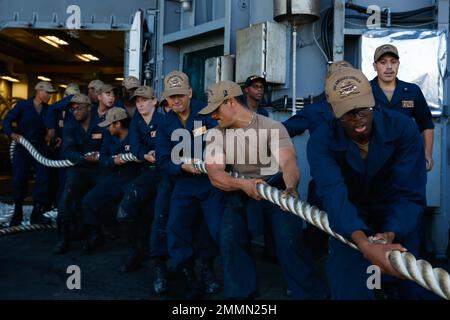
{"x": 77, "y": 141}
{"x": 262, "y": 111}
{"x": 143, "y": 135}
{"x": 385, "y": 192}
{"x": 169, "y": 124}
{"x": 30, "y": 123}
{"x": 112, "y": 146}
{"x": 59, "y": 114}
{"x": 408, "y": 99}
{"x": 119, "y": 103}
{"x": 309, "y": 118}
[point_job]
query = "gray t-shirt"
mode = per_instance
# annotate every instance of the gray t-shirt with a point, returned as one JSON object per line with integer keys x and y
{"x": 251, "y": 151}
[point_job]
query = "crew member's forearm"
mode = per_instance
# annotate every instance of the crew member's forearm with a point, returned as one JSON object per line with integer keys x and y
{"x": 223, "y": 181}
{"x": 360, "y": 238}
{"x": 291, "y": 174}
{"x": 428, "y": 140}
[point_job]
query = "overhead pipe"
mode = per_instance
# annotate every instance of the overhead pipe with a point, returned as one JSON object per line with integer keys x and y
{"x": 296, "y": 13}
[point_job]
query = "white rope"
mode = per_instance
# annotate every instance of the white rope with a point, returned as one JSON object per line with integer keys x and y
{"x": 40, "y": 158}
{"x": 127, "y": 157}
{"x": 436, "y": 280}
{"x": 12, "y": 150}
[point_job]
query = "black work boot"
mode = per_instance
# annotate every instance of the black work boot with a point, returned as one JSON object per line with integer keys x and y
{"x": 62, "y": 246}
{"x": 160, "y": 271}
{"x": 193, "y": 291}
{"x": 17, "y": 217}
{"x": 95, "y": 241}
{"x": 209, "y": 281}
{"x": 37, "y": 215}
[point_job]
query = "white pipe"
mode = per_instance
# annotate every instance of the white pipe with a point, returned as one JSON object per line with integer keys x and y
{"x": 294, "y": 67}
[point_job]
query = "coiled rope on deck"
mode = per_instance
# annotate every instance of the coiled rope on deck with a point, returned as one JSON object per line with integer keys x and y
{"x": 422, "y": 272}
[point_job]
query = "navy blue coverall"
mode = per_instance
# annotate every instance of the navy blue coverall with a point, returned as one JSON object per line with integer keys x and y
{"x": 31, "y": 125}
{"x": 385, "y": 192}
{"x": 84, "y": 175}
{"x": 142, "y": 140}
{"x": 137, "y": 205}
{"x": 114, "y": 182}
{"x": 57, "y": 116}
{"x": 192, "y": 194}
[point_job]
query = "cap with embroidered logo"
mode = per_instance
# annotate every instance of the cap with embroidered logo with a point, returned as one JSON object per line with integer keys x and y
{"x": 347, "y": 89}
{"x": 72, "y": 88}
{"x": 105, "y": 88}
{"x": 144, "y": 91}
{"x": 176, "y": 83}
{"x": 80, "y": 98}
{"x": 112, "y": 115}
{"x": 338, "y": 65}
{"x": 250, "y": 80}
{"x": 219, "y": 92}
{"x": 131, "y": 83}
{"x": 384, "y": 49}
{"x": 46, "y": 86}
{"x": 96, "y": 84}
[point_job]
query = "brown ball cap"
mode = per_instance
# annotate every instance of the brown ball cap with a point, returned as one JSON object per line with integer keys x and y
{"x": 347, "y": 89}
